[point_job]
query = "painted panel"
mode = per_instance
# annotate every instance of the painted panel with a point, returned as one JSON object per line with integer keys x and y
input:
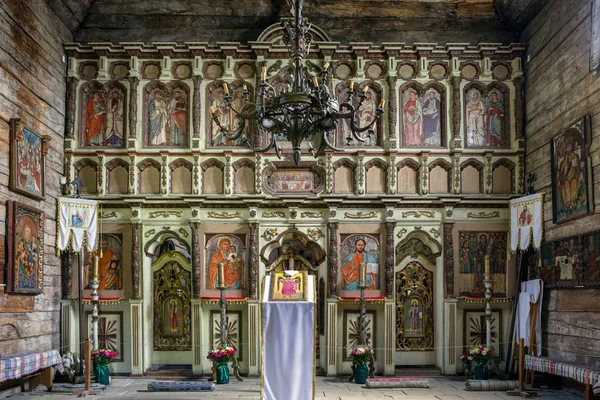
{"x": 354, "y": 250}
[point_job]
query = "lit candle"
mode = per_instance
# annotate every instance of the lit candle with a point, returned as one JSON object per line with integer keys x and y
{"x": 245, "y": 88}
{"x": 226, "y": 88}
{"x": 326, "y": 66}
{"x": 362, "y": 278}
{"x": 486, "y": 263}
{"x": 351, "y": 85}
{"x": 366, "y": 89}
{"x": 221, "y": 275}
{"x": 263, "y": 73}
{"x": 212, "y": 110}
{"x": 95, "y": 264}
{"x": 382, "y": 104}
{"x": 315, "y": 82}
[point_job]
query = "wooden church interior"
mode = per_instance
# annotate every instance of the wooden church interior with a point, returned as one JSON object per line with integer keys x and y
{"x": 126, "y": 94}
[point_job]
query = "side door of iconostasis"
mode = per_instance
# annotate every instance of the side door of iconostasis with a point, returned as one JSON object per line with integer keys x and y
{"x": 415, "y": 297}
{"x": 172, "y": 316}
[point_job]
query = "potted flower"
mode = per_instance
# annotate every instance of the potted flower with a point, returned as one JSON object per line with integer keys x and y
{"x": 101, "y": 359}
{"x": 481, "y": 356}
{"x": 360, "y": 356}
{"x": 221, "y": 356}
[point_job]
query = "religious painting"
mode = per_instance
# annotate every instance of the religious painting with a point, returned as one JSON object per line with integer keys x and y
{"x": 473, "y": 247}
{"x": 172, "y": 308}
{"x": 566, "y": 254}
{"x": 475, "y": 330}
{"x": 110, "y": 331}
{"x": 166, "y": 114}
{"x": 486, "y": 116}
{"x": 103, "y": 118}
{"x": 234, "y": 330}
{"x": 352, "y": 331}
{"x": 229, "y": 250}
{"x": 525, "y": 216}
{"x": 287, "y": 178}
{"x": 223, "y": 112}
{"x": 78, "y": 217}
{"x": 25, "y": 267}
{"x": 27, "y": 160}
{"x": 422, "y": 116}
{"x": 366, "y": 114}
{"x": 571, "y": 190}
{"x": 110, "y": 267}
{"x": 414, "y": 308}
{"x": 546, "y": 269}
{"x": 591, "y": 258}
{"x": 355, "y": 250}
{"x": 288, "y": 286}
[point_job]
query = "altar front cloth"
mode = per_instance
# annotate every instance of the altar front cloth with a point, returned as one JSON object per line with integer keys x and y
{"x": 288, "y": 347}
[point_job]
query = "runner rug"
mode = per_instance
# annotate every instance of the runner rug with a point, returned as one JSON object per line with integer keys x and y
{"x": 384, "y": 383}
{"x": 176, "y": 386}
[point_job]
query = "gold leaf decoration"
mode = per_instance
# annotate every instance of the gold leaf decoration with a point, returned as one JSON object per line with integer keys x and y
{"x": 311, "y": 214}
{"x": 418, "y": 214}
{"x": 273, "y": 214}
{"x": 269, "y": 233}
{"x": 434, "y": 232}
{"x": 164, "y": 214}
{"x": 314, "y": 233}
{"x": 361, "y": 215}
{"x": 183, "y": 232}
{"x": 108, "y": 215}
{"x": 484, "y": 215}
{"x": 401, "y": 233}
{"x": 223, "y": 215}
{"x": 150, "y": 233}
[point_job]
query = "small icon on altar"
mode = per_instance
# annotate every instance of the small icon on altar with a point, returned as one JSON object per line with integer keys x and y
{"x": 288, "y": 286}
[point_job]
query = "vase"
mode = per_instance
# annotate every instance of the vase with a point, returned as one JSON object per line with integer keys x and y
{"x": 481, "y": 372}
{"x": 361, "y": 373}
{"x": 102, "y": 374}
{"x": 223, "y": 373}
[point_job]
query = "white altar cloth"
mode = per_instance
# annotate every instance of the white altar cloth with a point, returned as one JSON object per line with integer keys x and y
{"x": 288, "y": 346}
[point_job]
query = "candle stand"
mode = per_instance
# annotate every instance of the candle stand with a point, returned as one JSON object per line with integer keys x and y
{"x": 362, "y": 285}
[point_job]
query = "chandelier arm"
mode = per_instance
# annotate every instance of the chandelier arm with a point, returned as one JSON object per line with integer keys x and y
{"x": 356, "y": 129}
{"x": 326, "y": 142}
{"x": 268, "y": 147}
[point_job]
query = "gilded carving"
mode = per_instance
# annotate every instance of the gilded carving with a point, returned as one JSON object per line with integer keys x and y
{"x": 315, "y": 233}
{"x": 164, "y": 214}
{"x": 273, "y": 214}
{"x": 223, "y": 215}
{"x": 484, "y": 215}
{"x": 104, "y": 215}
{"x": 135, "y": 259}
{"x": 196, "y": 258}
{"x": 270, "y": 233}
{"x": 389, "y": 259}
{"x": 434, "y": 232}
{"x": 360, "y": 215}
{"x": 330, "y": 173}
{"x": 361, "y": 175}
{"x": 401, "y": 233}
{"x": 418, "y": 214}
{"x": 392, "y": 171}
{"x": 227, "y": 173}
{"x": 183, "y": 232}
{"x": 449, "y": 259}
{"x": 131, "y": 187}
{"x": 149, "y": 233}
{"x": 333, "y": 258}
{"x": 253, "y": 267}
{"x": 311, "y": 214}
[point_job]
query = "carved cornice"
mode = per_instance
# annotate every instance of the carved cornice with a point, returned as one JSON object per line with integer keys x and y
{"x": 484, "y": 215}
{"x": 273, "y": 214}
{"x": 360, "y": 215}
{"x": 164, "y": 214}
{"x": 314, "y": 233}
{"x": 311, "y": 214}
{"x": 104, "y": 215}
{"x": 418, "y": 214}
{"x": 223, "y": 215}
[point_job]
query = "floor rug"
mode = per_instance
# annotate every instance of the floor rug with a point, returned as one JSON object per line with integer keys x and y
{"x": 177, "y": 386}
{"x": 74, "y": 387}
{"x": 474, "y": 385}
{"x": 384, "y": 383}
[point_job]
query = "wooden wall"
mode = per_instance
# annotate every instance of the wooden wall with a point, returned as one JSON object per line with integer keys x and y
{"x": 560, "y": 89}
{"x": 32, "y": 87}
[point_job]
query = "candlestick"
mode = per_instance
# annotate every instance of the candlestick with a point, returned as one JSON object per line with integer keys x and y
{"x": 221, "y": 275}
{"x": 95, "y": 264}
{"x": 326, "y": 66}
{"x": 315, "y": 82}
{"x": 212, "y": 110}
{"x": 486, "y": 263}
{"x": 351, "y": 85}
{"x": 263, "y": 74}
{"x": 226, "y": 88}
{"x": 382, "y": 104}
{"x": 362, "y": 278}
{"x": 366, "y": 89}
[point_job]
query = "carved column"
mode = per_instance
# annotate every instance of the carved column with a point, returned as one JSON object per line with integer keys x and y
{"x": 389, "y": 259}
{"x": 197, "y": 106}
{"x": 330, "y": 172}
{"x": 333, "y": 258}
{"x": 67, "y": 268}
{"x": 392, "y": 117}
{"x": 258, "y": 175}
{"x": 449, "y": 259}
{"x": 519, "y": 107}
{"x": 424, "y": 174}
{"x": 135, "y": 259}
{"x": 360, "y": 184}
{"x": 196, "y": 175}
{"x": 456, "y": 111}
{"x": 456, "y": 184}
{"x": 253, "y": 267}
{"x": 196, "y": 264}
{"x": 163, "y": 174}
{"x": 133, "y": 95}
{"x": 227, "y": 174}
{"x": 71, "y": 106}
{"x": 392, "y": 173}
{"x": 100, "y": 174}
{"x": 132, "y": 169}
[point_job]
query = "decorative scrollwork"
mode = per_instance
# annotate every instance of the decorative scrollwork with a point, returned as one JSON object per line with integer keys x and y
{"x": 108, "y": 215}
{"x": 269, "y": 233}
{"x": 273, "y": 214}
{"x": 434, "y": 232}
{"x": 360, "y": 215}
{"x": 164, "y": 214}
{"x": 311, "y": 214}
{"x": 418, "y": 214}
{"x": 401, "y": 233}
{"x": 183, "y": 232}
{"x": 149, "y": 233}
{"x": 484, "y": 215}
{"x": 223, "y": 215}
{"x": 315, "y": 233}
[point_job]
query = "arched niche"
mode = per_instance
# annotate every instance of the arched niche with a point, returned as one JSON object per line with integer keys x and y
{"x": 117, "y": 176}
{"x": 212, "y": 176}
{"x": 407, "y": 177}
{"x": 343, "y": 176}
{"x": 440, "y": 178}
{"x": 417, "y": 243}
{"x": 149, "y": 176}
{"x": 376, "y": 177}
{"x": 295, "y": 247}
{"x": 244, "y": 177}
{"x": 181, "y": 176}
{"x": 87, "y": 172}
{"x": 503, "y": 177}
{"x": 471, "y": 177}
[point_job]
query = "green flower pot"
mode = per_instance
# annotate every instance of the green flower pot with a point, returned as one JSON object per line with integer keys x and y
{"x": 102, "y": 374}
{"x": 482, "y": 373}
{"x": 361, "y": 373}
{"x": 222, "y": 374}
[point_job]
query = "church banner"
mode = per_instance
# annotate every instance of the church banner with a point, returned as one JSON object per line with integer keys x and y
{"x": 526, "y": 222}
{"x": 78, "y": 224}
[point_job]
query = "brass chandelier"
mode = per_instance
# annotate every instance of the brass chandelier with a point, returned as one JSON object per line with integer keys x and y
{"x": 308, "y": 109}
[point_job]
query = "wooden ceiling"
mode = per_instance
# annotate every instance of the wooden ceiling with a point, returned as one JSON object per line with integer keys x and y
{"x": 377, "y": 21}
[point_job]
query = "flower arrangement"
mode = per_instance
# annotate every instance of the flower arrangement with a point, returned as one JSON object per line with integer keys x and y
{"x": 103, "y": 357}
{"x": 221, "y": 354}
{"x": 479, "y": 354}
{"x": 361, "y": 354}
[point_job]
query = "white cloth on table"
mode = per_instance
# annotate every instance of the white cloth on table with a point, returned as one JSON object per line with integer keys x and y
{"x": 288, "y": 346}
{"x": 531, "y": 292}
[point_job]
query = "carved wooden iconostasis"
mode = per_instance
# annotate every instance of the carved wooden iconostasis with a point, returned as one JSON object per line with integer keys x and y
{"x": 435, "y": 173}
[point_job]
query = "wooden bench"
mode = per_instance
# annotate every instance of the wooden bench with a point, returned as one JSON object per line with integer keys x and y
{"x": 35, "y": 368}
{"x": 583, "y": 375}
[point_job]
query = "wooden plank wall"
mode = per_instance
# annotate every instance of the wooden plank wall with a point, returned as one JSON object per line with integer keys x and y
{"x": 32, "y": 87}
{"x": 560, "y": 89}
